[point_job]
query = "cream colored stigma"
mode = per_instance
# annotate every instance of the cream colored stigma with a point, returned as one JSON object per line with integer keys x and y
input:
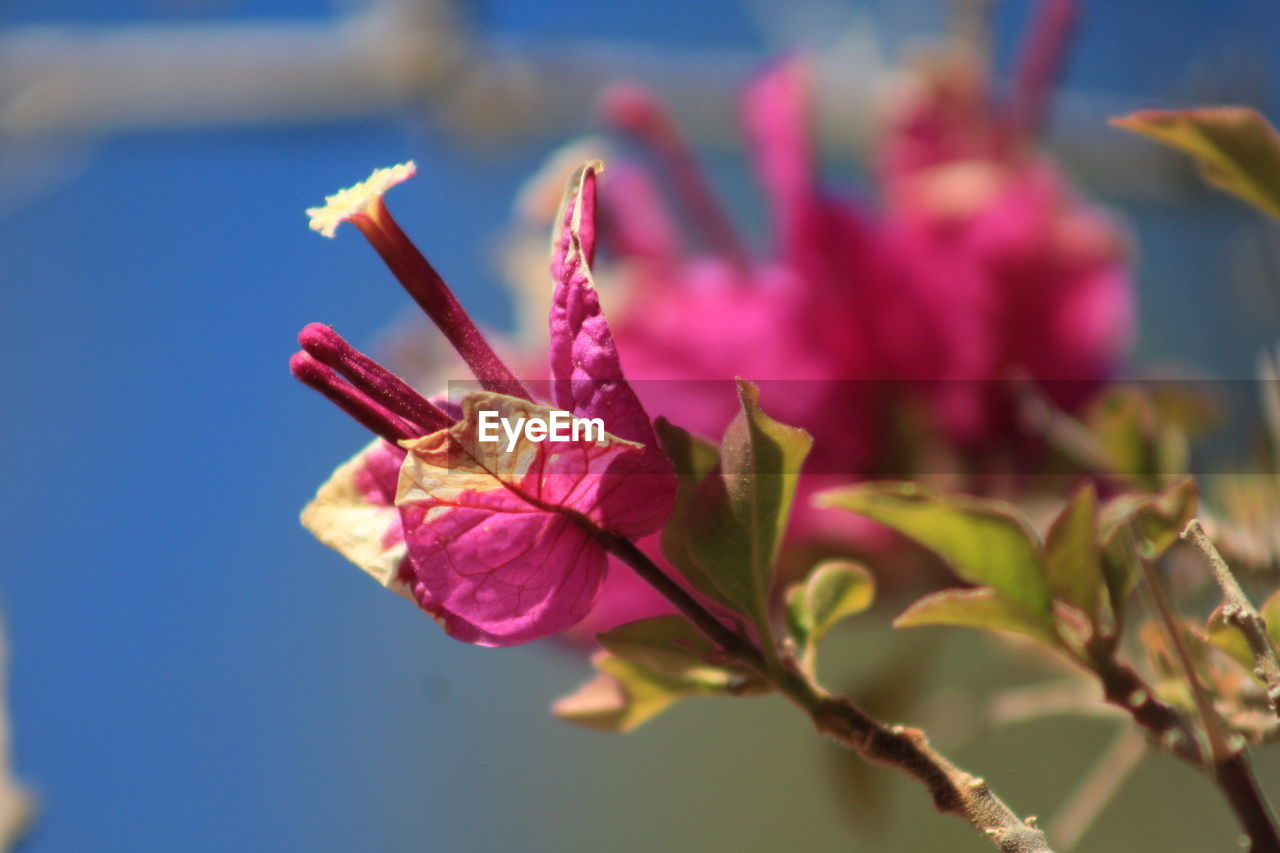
{"x": 353, "y": 201}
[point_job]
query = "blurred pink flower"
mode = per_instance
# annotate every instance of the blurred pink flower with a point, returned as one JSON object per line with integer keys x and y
{"x": 978, "y": 267}
{"x": 861, "y": 325}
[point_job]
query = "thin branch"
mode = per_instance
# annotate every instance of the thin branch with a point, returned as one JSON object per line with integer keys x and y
{"x": 724, "y": 636}
{"x": 1095, "y": 791}
{"x": 953, "y": 790}
{"x": 1214, "y": 728}
{"x": 1125, "y": 689}
{"x": 1229, "y": 762}
{"x": 1237, "y": 610}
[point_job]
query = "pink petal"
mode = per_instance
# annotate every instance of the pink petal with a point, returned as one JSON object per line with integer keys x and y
{"x": 494, "y": 536}
{"x": 501, "y": 579}
{"x": 585, "y": 369}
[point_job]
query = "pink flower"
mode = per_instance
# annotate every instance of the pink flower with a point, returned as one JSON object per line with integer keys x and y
{"x": 979, "y": 267}
{"x": 964, "y": 186}
{"x": 501, "y": 544}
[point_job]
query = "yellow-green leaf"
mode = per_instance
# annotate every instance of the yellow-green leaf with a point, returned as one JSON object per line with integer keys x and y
{"x": 1236, "y": 148}
{"x": 975, "y": 608}
{"x": 985, "y": 542}
{"x": 1072, "y": 553}
{"x": 738, "y": 513}
{"x": 1141, "y": 526}
{"x": 1270, "y": 612}
{"x": 625, "y": 694}
{"x": 1229, "y": 639}
{"x": 834, "y": 590}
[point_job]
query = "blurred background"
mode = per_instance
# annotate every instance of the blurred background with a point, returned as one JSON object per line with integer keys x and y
{"x": 189, "y": 669}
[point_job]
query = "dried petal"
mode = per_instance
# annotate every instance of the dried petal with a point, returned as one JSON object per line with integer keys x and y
{"x": 354, "y": 513}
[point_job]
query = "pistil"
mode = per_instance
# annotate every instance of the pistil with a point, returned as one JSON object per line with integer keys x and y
{"x": 362, "y": 205}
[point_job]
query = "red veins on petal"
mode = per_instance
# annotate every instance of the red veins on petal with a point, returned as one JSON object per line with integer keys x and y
{"x": 499, "y": 540}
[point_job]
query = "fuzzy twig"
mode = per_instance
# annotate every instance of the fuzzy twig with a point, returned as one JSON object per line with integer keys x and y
{"x": 1238, "y": 611}
{"x": 1228, "y": 762}
{"x": 953, "y": 790}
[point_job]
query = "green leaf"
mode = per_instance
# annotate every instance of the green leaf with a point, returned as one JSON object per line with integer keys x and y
{"x": 986, "y": 542}
{"x": 981, "y": 608}
{"x": 625, "y": 694}
{"x": 1072, "y": 554}
{"x": 834, "y": 590}
{"x": 1141, "y": 526}
{"x": 1157, "y": 519}
{"x": 693, "y": 458}
{"x": 738, "y": 513}
{"x": 1236, "y": 148}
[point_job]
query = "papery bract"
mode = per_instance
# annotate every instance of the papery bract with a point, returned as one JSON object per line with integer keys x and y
{"x": 497, "y": 539}
{"x": 355, "y": 514}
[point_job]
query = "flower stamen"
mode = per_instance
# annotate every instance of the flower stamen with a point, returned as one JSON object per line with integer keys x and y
{"x": 329, "y": 348}
{"x": 366, "y": 411}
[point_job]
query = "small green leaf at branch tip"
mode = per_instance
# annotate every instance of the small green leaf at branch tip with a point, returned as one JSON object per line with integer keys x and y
{"x": 834, "y": 590}
{"x": 986, "y": 542}
{"x": 736, "y": 516}
{"x": 1072, "y": 555}
{"x": 1236, "y": 148}
{"x": 982, "y": 608}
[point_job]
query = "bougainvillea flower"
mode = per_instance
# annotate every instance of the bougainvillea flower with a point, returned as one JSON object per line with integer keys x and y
{"x": 862, "y": 323}
{"x": 979, "y": 266}
{"x": 963, "y": 183}
{"x": 502, "y": 542}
